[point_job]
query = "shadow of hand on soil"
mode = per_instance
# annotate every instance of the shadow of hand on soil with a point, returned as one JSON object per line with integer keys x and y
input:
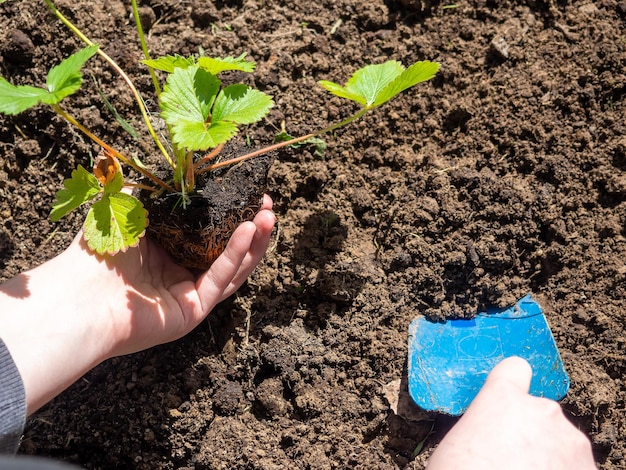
{"x": 324, "y": 284}
{"x": 320, "y": 284}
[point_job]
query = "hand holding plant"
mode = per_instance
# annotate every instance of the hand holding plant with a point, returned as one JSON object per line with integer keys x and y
{"x": 114, "y": 305}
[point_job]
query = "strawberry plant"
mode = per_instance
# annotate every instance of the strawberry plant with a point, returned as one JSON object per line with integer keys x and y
{"x": 201, "y": 114}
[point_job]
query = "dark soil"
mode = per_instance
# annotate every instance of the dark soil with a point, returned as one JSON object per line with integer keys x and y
{"x": 505, "y": 175}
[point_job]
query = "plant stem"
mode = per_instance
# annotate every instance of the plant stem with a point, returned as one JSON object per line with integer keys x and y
{"x": 141, "y": 186}
{"x": 286, "y": 143}
{"x": 256, "y": 153}
{"x": 346, "y": 121}
{"x": 144, "y": 47}
{"x": 189, "y": 181}
{"x": 211, "y": 155}
{"x": 122, "y": 74}
{"x": 69, "y": 118}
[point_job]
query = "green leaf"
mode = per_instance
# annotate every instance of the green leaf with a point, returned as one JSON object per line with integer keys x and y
{"x": 213, "y": 65}
{"x": 63, "y": 80}
{"x": 79, "y": 189}
{"x": 373, "y": 85}
{"x": 199, "y": 117}
{"x": 342, "y": 92}
{"x": 115, "y": 185}
{"x": 186, "y": 103}
{"x": 169, "y": 63}
{"x": 198, "y": 136}
{"x": 241, "y": 104}
{"x": 115, "y": 223}
{"x": 66, "y": 78}
{"x": 218, "y": 65}
{"x": 366, "y": 83}
{"x": 416, "y": 73}
{"x": 16, "y": 99}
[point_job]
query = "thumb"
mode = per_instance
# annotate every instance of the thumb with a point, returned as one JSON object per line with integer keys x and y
{"x": 212, "y": 285}
{"x": 514, "y": 370}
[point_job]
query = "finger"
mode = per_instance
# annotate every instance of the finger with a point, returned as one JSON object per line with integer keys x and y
{"x": 264, "y": 222}
{"x": 212, "y": 284}
{"x": 267, "y": 203}
{"x": 515, "y": 370}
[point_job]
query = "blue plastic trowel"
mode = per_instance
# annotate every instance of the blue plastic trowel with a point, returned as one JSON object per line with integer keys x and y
{"x": 449, "y": 362}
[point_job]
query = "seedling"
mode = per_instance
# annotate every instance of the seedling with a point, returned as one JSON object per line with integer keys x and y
{"x": 201, "y": 115}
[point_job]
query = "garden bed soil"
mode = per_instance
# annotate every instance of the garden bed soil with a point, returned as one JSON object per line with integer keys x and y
{"x": 505, "y": 175}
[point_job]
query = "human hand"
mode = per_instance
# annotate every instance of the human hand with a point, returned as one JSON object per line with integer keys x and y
{"x": 166, "y": 301}
{"x": 505, "y": 427}
{"x": 64, "y": 317}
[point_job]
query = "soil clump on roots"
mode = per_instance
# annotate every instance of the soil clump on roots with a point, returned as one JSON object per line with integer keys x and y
{"x": 195, "y": 229}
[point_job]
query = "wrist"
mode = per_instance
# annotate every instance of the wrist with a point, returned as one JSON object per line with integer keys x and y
{"x": 54, "y": 325}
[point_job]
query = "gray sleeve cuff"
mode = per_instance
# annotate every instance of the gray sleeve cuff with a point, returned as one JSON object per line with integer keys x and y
{"x": 12, "y": 403}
